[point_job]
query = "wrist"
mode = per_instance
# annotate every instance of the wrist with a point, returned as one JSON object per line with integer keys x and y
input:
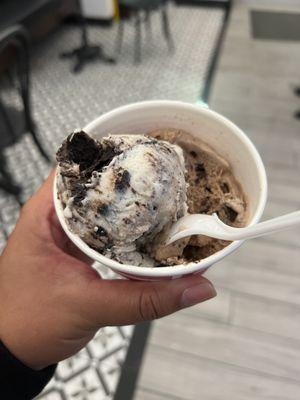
{"x": 21, "y": 343}
{"x": 18, "y": 333}
{"x": 21, "y": 353}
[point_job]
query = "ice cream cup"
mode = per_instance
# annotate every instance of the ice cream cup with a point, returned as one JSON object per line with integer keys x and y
{"x": 218, "y": 132}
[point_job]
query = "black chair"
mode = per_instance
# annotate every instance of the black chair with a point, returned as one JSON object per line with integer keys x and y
{"x": 141, "y": 11}
{"x": 6, "y": 181}
{"x": 12, "y": 122}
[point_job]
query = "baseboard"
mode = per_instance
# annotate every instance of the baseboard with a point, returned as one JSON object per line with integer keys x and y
{"x": 100, "y": 21}
{"x": 91, "y": 21}
{"x": 205, "y": 3}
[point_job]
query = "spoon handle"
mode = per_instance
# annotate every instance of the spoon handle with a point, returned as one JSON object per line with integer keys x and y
{"x": 267, "y": 227}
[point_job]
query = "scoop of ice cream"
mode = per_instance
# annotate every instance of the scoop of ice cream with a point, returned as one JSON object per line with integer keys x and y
{"x": 212, "y": 188}
{"x": 120, "y": 192}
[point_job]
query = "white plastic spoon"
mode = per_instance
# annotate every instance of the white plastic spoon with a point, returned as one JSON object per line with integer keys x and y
{"x": 211, "y": 225}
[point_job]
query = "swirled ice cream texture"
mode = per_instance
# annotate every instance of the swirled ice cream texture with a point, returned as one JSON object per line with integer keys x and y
{"x": 120, "y": 192}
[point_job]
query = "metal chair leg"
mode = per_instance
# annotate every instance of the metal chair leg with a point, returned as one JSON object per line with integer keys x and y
{"x": 9, "y": 77}
{"x": 31, "y": 128}
{"x": 7, "y": 181}
{"x": 24, "y": 79}
{"x": 120, "y": 36}
{"x": 166, "y": 28}
{"x": 137, "y": 50}
{"x": 7, "y": 121}
{"x": 148, "y": 25}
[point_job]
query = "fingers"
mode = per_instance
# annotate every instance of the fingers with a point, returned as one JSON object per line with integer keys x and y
{"x": 36, "y": 214}
{"x": 40, "y": 218}
{"x": 37, "y": 208}
{"x": 43, "y": 198}
{"x": 121, "y": 302}
{"x": 62, "y": 241}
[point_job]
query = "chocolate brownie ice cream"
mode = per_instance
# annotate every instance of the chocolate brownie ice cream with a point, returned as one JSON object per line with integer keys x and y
{"x": 121, "y": 194}
{"x": 212, "y": 188}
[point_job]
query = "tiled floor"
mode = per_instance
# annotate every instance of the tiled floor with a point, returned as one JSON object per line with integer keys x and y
{"x": 63, "y": 102}
{"x": 245, "y": 344}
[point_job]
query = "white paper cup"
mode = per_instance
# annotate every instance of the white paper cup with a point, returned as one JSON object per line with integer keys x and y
{"x": 218, "y": 132}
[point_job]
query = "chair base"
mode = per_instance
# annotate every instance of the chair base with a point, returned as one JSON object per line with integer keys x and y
{"x": 13, "y": 131}
{"x": 85, "y": 54}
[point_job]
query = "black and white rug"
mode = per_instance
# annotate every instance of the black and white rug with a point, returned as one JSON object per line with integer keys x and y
{"x": 63, "y": 101}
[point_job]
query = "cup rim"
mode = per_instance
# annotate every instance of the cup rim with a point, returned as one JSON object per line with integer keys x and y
{"x": 175, "y": 270}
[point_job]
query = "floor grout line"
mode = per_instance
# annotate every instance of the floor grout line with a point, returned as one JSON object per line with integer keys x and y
{"x": 160, "y": 393}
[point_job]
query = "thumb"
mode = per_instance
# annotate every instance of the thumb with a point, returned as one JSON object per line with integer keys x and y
{"x": 121, "y": 302}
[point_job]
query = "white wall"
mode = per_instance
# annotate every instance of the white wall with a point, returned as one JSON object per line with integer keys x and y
{"x": 98, "y": 8}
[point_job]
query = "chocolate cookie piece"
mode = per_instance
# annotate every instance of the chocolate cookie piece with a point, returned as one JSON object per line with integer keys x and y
{"x": 80, "y": 149}
{"x": 122, "y": 181}
{"x": 88, "y": 153}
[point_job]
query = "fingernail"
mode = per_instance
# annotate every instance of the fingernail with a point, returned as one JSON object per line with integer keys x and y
{"x": 198, "y": 293}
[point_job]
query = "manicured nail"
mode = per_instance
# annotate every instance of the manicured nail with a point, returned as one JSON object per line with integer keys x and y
{"x": 198, "y": 293}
